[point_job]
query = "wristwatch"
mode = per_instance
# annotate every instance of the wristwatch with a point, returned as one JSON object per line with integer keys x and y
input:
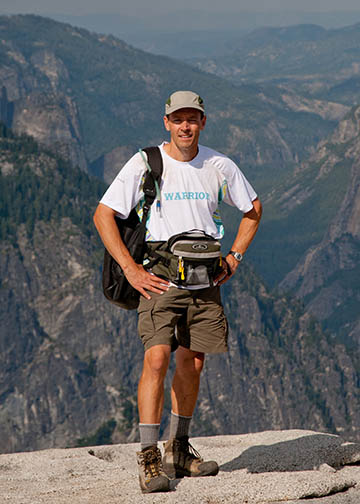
{"x": 238, "y": 255}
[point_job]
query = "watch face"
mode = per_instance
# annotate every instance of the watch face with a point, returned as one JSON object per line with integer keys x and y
{"x": 238, "y": 256}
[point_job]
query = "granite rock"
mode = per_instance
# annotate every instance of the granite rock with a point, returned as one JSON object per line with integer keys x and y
{"x": 271, "y": 466}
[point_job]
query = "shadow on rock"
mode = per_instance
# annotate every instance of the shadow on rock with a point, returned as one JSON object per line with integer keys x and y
{"x": 302, "y": 454}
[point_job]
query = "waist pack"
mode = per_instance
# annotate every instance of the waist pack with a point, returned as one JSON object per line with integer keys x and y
{"x": 187, "y": 259}
{"x": 116, "y": 287}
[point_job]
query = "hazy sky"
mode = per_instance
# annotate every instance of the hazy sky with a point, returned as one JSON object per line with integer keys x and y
{"x": 131, "y": 7}
{"x": 133, "y": 19}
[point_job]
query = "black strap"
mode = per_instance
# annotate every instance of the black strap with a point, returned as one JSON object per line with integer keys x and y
{"x": 156, "y": 165}
{"x": 154, "y": 258}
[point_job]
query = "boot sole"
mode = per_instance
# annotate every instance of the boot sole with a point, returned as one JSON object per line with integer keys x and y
{"x": 155, "y": 490}
{"x": 163, "y": 490}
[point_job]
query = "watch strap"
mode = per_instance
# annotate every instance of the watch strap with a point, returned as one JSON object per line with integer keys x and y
{"x": 237, "y": 255}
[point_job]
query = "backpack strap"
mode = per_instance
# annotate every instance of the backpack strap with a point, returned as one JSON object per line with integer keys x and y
{"x": 152, "y": 180}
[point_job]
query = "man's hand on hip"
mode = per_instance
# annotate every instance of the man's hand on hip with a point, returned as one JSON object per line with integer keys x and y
{"x": 144, "y": 281}
{"x": 229, "y": 266}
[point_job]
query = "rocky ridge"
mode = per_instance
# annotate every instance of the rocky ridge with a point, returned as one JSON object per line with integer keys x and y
{"x": 267, "y": 467}
{"x": 307, "y": 59}
{"x": 326, "y": 276}
{"x": 93, "y": 98}
{"x": 36, "y": 102}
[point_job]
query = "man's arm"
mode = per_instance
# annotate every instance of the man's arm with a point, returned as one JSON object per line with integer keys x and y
{"x": 138, "y": 277}
{"x": 247, "y": 230}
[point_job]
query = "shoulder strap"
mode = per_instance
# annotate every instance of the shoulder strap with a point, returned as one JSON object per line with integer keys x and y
{"x": 152, "y": 178}
{"x": 155, "y": 161}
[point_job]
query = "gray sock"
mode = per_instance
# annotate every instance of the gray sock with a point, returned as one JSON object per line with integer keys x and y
{"x": 149, "y": 434}
{"x": 179, "y": 425}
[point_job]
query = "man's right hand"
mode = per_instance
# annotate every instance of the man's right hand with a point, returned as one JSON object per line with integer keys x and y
{"x": 143, "y": 281}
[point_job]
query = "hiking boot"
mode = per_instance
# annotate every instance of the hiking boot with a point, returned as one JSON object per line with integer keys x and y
{"x": 151, "y": 475}
{"x": 181, "y": 459}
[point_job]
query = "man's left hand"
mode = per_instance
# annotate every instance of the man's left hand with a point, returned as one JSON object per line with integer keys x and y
{"x": 229, "y": 266}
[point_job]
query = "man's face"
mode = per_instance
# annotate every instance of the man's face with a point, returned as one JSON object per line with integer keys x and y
{"x": 185, "y": 126}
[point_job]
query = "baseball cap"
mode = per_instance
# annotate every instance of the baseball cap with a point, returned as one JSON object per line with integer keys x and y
{"x": 184, "y": 99}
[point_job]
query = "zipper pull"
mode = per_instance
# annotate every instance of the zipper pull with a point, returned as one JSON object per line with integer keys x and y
{"x": 181, "y": 268}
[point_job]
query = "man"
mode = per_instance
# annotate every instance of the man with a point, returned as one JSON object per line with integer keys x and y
{"x": 189, "y": 317}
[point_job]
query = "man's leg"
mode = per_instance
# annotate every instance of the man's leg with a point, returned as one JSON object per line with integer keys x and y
{"x": 150, "y": 404}
{"x": 151, "y": 383}
{"x": 185, "y": 389}
{"x": 180, "y": 458}
{"x": 186, "y": 381}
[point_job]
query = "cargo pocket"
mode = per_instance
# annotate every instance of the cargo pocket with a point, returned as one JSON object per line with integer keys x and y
{"x": 156, "y": 325}
{"x": 207, "y": 322}
{"x": 146, "y": 326}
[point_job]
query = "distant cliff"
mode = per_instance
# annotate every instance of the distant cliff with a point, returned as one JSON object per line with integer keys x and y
{"x": 96, "y": 100}
{"x": 328, "y": 274}
{"x": 308, "y": 59}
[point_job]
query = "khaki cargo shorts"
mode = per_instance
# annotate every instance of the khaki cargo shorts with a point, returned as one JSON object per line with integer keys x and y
{"x": 194, "y": 319}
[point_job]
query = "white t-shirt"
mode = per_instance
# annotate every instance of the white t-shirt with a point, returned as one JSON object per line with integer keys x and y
{"x": 190, "y": 193}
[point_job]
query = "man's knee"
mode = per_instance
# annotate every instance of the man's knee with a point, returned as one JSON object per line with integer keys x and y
{"x": 199, "y": 362}
{"x": 156, "y": 360}
{"x": 189, "y": 362}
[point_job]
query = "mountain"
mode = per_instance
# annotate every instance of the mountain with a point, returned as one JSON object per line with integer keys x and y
{"x": 96, "y": 100}
{"x": 313, "y": 227}
{"x": 54, "y": 386}
{"x": 327, "y": 276}
{"x": 309, "y": 59}
{"x": 151, "y": 27}
{"x": 70, "y": 361}
{"x": 308, "y": 243}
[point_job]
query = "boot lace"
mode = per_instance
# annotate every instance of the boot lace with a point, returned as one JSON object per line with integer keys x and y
{"x": 151, "y": 460}
{"x": 185, "y": 447}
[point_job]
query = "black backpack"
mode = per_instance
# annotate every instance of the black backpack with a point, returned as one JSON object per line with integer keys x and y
{"x": 116, "y": 288}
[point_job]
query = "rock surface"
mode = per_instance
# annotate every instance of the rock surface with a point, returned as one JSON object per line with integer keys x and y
{"x": 272, "y": 466}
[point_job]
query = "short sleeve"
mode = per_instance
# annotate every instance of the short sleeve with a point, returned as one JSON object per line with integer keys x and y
{"x": 125, "y": 191}
{"x": 239, "y": 192}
